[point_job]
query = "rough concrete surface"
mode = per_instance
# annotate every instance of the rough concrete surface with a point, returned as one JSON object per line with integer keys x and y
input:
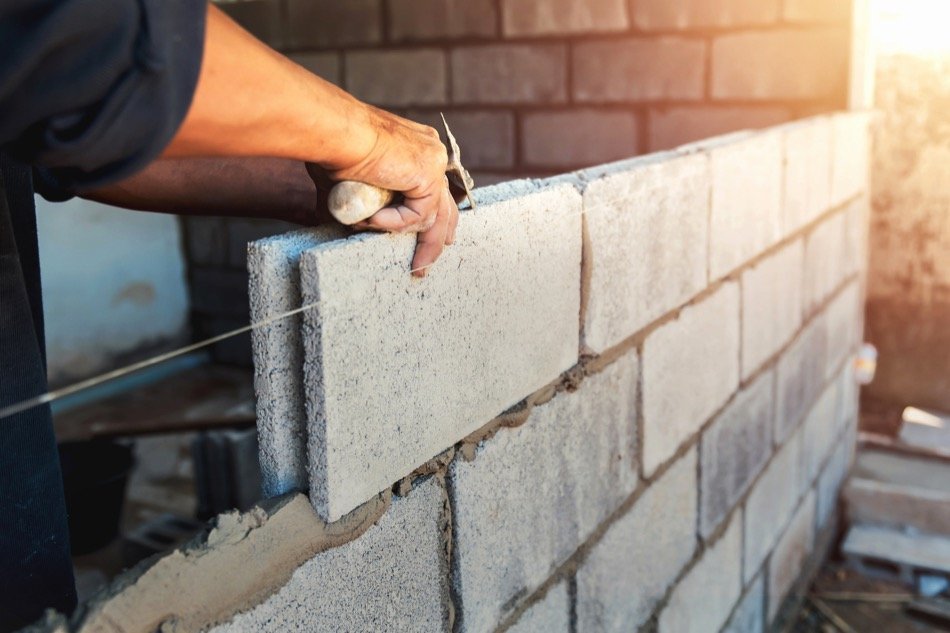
{"x": 808, "y": 146}
{"x": 392, "y": 578}
{"x": 704, "y": 598}
{"x": 400, "y": 369}
{"x": 791, "y": 552}
{"x": 551, "y": 615}
{"x": 534, "y": 493}
{"x": 800, "y": 375}
{"x": 630, "y": 569}
{"x": 274, "y": 288}
{"x": 771, "y": 305}
{"x": 850, "y": 166}
{"x": 648, "y": 228}
{"x": 818, "y": 433}
{"x": 844, "y": 323}
{"x": 749, "y": 616}
{"x": 830, "y": 480}
{"x": 701, "y": 349}
{"x": 826, "y": 251}
{"x": 734, "y": 449}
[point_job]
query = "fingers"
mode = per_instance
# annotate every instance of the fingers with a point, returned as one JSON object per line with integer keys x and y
{"x": 431, "y": 243}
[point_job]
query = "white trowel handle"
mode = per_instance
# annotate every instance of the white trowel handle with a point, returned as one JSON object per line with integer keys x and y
{"x": 351, "y": 202}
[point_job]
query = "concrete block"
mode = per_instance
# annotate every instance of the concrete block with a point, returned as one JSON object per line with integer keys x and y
{"x": 851, "y": 156}
{"x": 278, "y": 357}
{"x": 325, "y": 23}
{"x": 800, "y": 376}
{"x": 733, "y": 450}
{"x": 630, "y": 569}
{"x": 858, "y": 224}
{"x": 700, "y": 348}
{"x": 325, "y": 65}
{"x": 829, "y": 483}
{"x": 808, "y": 146}
{"x": 672, "y": 127}
{"x": 825, "y": 260}
{"x": 398, "y": 77}
{"x": 780, "y": 64}
{"x": 399, "y": 369}
{"x": 811, "y": 11}
{"x": 704, "y": 598}
{"x": 749, "y": 616}
{"x": 820, "y": 432}
{"x": 678, "y": 15}
{"x": 910, "y": 551}
{"x": 771, "y": 305}
{"x": 790, "y": 554}
{"x": 441, "y": 19}
{"x": 487, "y": 138}
{"x": 242, "y": 232}
{"x": 362, "y": 585}
{"x": 513, "y": 73}
{"x": 746, "y": 200}
{"x": 638, "y": 70}
{"x": 843, "y": 319}
{"x": 551, "y": 615}
{"x": 545, "y": 487}
{"x": 769, "y": 505}
{"x": 577, "y": 138}
{"x": 648, "y": 228}
{"x": 549, "y": 17}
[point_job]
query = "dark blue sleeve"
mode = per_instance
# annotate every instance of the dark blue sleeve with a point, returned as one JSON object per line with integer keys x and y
{"x": 91, "y": 91}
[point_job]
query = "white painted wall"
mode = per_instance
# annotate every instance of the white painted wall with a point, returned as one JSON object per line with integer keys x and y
{"x": 113, "y": 281}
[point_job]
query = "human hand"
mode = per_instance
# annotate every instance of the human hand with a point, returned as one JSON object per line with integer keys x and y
{"x": 408, "y": 158}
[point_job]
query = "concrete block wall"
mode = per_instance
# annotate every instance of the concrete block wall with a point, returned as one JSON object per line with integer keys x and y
{"x": 564, "y": 426}
{"x": 539, "y": 87}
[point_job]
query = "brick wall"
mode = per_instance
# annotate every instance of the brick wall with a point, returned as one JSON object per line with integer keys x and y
{"x": 622, "y": 399}
{"x": 539, "y": 87}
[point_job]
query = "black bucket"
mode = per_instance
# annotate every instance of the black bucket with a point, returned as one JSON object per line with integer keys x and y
{"x": 94, "y": 477}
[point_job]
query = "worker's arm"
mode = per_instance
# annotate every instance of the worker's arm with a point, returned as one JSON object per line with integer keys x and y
{"x": 252, "y": 101}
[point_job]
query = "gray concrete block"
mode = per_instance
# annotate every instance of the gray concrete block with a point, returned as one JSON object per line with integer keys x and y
{"x": 398, "y": 77}
{"x": 749, "y": 616}
{"x": 648, "y": 228}
{"x": 678, "y": 15}
{"x": 844, "y": 320}
{"x": 820, "y": 431}
{"x": 800, "y": 376}
{"x": 399, "y": 368}
{"x": 700, "y": 348}
{"x": 733, "y": 450}
{"x": 808, "y": 146}
{"x": 511, "y": 73}
{"x": 639, "y": 557}
{"x": 642, "y": 69}
{"x": 392, "y": 578}
{"x": 911, "y": 551}
{"x": 549, "y": 17}
{"x": 850, "y": 167}
{"x": 534, "y": 493}
{"x": 278, "y": 357}
{"x": 771, "y": 305}
{"x": 441, "y": 19}
{"x": 551, "y": 615}
{"x": 487, "y": 137}
{"x": 242, "y": 232}
{"x": 672, "y": 127}
{"x": 826, "y": 262}
{"x": 577, "y": 138}
{"x": 858, "y": 219}
{"x": 830, "y": 480}
{"x": 325, "y": 24}
{"x": 770, "y": 504}
{"x": 704, "y": 598}
{"x": 746, "y": 214}
{"x": 791, "y": 552}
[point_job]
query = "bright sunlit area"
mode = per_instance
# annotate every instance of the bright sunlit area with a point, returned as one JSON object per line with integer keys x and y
{"x": 911, "y": 26}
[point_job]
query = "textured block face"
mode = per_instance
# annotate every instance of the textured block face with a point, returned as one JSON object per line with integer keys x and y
{"x": 638, "y": 70}
{"x": 547, "y": 17}
{"x": 398, "y": 78}
{"x": 689, "y": 14}
{"x": 509, "y": 74}
{"x": 825, "y": 260}
{"x": 800, "y": 376}
{"x": 630, "y": 569}
{"x": 791, "y": 64}
{"x": 770, "y": 504}
{"x": 274, "y": 289}
{"x": 324, "y": 23}
{"x": 399, "y": 369}
{"x": 843, "y": 318}
{"x": 704, "y": 598}
{"x": 578, "y": 138}
{"x": 733, "y": 451}
{"x": 437, "y": 19}
{"x": 550, "y": 615}
{"x": 849, "y": 173}
{"x": 819, "y": 434}
{"x": 771, "y": 305}
{"x": 700, "y": 348}
{"x": 808, "y": 147}
{"x": 672, "y": 127}
{"x": 546, "y": 486}
{"x": 647, "y": 228}
{"x": 829, "y": 484}
{"x": 746, "y": 200}
{"x": 790, "y": 554}
{"x": 749, "y": 616}
{"x": 362, "y": 585}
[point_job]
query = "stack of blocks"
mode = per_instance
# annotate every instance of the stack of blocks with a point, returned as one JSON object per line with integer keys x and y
{"x": 644, "y": 372}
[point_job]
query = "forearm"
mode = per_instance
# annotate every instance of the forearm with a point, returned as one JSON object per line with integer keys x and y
{"x": 252, "y": 101}
{"x": 250, "y": 187}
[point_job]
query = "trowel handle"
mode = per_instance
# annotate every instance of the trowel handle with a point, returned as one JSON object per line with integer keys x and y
{"x": 351, "y": 202}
